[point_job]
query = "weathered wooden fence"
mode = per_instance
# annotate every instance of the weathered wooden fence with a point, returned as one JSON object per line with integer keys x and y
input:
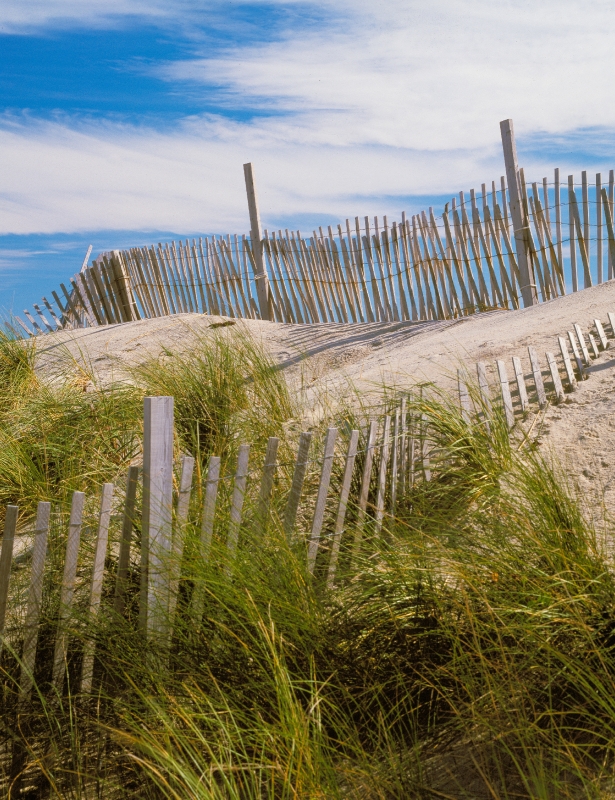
{"x": 511, "y": 244}
{"x": 361, "y": 478}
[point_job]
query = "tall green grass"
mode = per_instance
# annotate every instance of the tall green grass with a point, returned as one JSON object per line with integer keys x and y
{"x": 467, "y": 652}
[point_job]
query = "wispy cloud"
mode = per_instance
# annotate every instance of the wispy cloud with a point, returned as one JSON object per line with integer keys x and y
{"x": 358, "y": 111}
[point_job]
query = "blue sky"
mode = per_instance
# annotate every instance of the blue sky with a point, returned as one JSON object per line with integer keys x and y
{"x": 127, "y": 122}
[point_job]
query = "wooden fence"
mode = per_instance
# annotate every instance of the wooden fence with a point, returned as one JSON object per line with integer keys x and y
{"x": 511, "y": 244}
{"x": 363, "y": 483}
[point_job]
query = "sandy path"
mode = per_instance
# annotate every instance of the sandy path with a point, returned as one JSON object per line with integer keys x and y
{"x": 582, "y": 431}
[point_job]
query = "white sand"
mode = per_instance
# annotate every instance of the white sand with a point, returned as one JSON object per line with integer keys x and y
{"x": 582, "y": 431}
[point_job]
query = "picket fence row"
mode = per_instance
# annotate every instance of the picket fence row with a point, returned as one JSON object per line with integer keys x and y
{"x": 396, "y": 454}
{"x": 515, "y": 244}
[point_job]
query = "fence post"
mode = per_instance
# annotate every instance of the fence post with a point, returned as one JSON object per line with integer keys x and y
{"x": 260, "y": 274}
{"x": 520, "y": 224}
{"x": 157, "y": 514}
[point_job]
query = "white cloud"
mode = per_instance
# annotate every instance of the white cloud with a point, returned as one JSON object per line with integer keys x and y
{"x": 432, "y": 76}
{"x": 398, "y": 99}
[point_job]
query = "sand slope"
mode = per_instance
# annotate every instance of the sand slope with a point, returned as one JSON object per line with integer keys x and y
{"x": 582, "y": 431}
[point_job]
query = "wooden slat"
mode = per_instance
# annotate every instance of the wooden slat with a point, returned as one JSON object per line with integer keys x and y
{"x": 382, "y": 473}
{"x": 576, "y": 354}
{"x": 403, "y": 455}
{"x": 608, "y": 218}
{"x": 558, "y": 216}
{"x": 601, "y": 334}
{"x": 207, "y": 532}
{"x": 98, "y": 570}
{"x": 34, "y": 602}
{"x": 179, "y": 534}
{"x": 537, "y": 375}
{"x": 582, "y": 344}
{"x": 611, "y": 318}
{"x": 292, "y": 504}
{"x": 599, "y": 258}
{"x": 506, "y": 396}
{"x": 237, "y": 501}
{"x": 571, "y": 236}
{"x": 425, "y": 451}
{"x": 6, "y": 560}
{"x": 351, "y": 455}
{"x": 128, "y": 521}
{"x": 555, "y": 378}
{"x": 395, "y": 463}
{"x": 321, "y": 497}
{"x": 581, "y": 240}
{"x": 521, "y": 387}
{"x": 365, "y": 484}
{"x": 67, "y": 589}
{"x": 572, "y": 381}
{"x": 593, "y": 345}
{"x": 269, "y": 467}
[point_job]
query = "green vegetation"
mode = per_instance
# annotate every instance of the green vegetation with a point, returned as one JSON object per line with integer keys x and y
{"x": 467, "y": 652}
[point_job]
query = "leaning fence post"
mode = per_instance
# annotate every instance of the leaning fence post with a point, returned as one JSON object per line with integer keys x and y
{"x": 321, "y": 497}
{"x": 528, "y": 288}
{"x": 343, "y": 505}
{"x": 123, "y": 561}
{"x": 87, "y": 669}
{"x": 35, "y": 597}
{"x": 260, "y": 274}
{"x": 68, "y": 588}
{"x": 567, "y": 365}
{"x": 156, "y": 529}
{"x": 6, "y": 559}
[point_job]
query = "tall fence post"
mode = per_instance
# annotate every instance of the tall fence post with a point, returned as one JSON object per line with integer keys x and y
{"x": 260, "y": 276}
{"x": 520, "y": 224}
{"x": 156, "y": 529}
